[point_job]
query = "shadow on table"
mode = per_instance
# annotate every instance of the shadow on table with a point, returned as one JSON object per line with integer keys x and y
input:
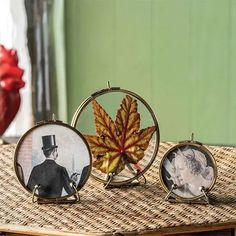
{"x": 222, "y": 199}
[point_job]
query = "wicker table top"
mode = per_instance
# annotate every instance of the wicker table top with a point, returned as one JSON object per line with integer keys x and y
{"x": 136, "y": 210}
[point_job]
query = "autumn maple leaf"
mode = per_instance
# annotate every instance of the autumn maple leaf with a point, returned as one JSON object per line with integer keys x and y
{"x": 121, "y": 142}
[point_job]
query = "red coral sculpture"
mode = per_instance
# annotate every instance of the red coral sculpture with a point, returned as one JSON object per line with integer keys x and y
{"x": 10, "y": 84}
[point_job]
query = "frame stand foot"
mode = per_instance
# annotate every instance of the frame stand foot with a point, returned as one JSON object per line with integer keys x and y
{"x": 70, "y": 200}
{"x": 201, "y": 200}
{"x": 135, "y": 182}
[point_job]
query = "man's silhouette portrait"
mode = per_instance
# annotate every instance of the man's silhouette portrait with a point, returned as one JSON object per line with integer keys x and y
{"x": 49, "y": 176}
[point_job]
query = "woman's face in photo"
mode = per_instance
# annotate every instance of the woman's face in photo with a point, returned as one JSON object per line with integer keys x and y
{"x": 183, "y": 172}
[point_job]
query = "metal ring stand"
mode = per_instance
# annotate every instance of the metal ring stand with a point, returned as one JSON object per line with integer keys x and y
{"x": 108, "y": 181}
{"x": 202, "y": 197}
{"x": 55, "y": 201}
{"x": 201, "y": 200}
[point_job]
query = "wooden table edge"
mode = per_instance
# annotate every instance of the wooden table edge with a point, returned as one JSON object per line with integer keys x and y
{"x": 26, "y": 230}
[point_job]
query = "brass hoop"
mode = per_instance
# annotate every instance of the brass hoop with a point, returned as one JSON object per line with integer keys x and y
{"x": 88, "y": 100}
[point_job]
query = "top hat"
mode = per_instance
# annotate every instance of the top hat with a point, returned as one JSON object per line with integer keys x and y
{"x": 49, "y": 142}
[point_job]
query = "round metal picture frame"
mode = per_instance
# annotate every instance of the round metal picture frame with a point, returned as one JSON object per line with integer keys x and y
{"x": 52, "y": 161}
{"x": 188, "y": 171}
{"x": 111, "y": 179}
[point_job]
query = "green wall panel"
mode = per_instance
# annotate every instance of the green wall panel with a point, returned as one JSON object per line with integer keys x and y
{"x": 179, "y": 55}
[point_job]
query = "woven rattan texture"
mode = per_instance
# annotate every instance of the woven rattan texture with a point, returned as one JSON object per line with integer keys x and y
{"x": 137, "y": 209}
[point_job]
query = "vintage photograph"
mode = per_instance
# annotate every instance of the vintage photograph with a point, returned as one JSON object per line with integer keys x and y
{"x": 190, "y": 168}
{"x": 55, "y": 158}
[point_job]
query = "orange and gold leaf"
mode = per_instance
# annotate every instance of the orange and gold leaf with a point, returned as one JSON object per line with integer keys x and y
{"x": 104, "y": 124}
{"x": 119, "y": 142}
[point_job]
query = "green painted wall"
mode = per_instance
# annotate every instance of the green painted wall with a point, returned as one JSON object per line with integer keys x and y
{"x": 179, "y": 55}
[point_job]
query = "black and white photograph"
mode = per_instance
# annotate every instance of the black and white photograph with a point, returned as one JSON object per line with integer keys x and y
{"x": 55, "y": 158}
{"x": 190, "y": 168}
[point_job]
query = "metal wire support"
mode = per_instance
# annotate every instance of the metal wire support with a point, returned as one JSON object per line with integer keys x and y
{"x": 203, "y": 190}
{"x": 109, "y": 179}
{"x": 36, "y": 187}
{"x": 108, "y": 85}
{"x": 58, "y": 200}
{"x": 173, "y": 187}
{"x": 203, "y": 199}
{"x": 143, "y": 176}
{"x": 76, "y": 195}
{"x": 192, "y": 137}
{"x": 135, "y": 182}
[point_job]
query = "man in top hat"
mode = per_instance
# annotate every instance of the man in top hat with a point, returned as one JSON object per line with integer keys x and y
{"x": 49, "y": 176}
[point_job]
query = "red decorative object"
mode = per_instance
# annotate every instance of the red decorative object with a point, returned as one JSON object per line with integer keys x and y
{"x": 10, "y": 84}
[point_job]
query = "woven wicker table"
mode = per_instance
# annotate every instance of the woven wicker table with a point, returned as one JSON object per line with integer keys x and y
{"x": 138, "y": 210}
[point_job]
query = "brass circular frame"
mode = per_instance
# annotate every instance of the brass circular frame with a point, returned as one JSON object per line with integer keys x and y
{"x": 157, "y": 132}
{"x": 50, "y": 122}
{"x": 199, "y": 146}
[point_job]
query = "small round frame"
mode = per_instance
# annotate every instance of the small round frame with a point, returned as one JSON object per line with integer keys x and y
{"x": 52, "y": 160}
{"x": 111, "y": 103}
{"x": 188, "y": 171}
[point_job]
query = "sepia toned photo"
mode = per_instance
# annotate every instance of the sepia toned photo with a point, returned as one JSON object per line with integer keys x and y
{"x": 190, "y": 168}
{"x": 53, "y": 157}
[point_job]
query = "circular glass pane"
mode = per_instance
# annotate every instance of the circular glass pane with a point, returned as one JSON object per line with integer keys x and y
{"x": 122, "y": 132}
{"x": 190, "y": 167}
{"x": 55, "y": 157}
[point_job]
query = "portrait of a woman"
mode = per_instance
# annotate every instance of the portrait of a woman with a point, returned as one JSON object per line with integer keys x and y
{"x": 190, "y": 169}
